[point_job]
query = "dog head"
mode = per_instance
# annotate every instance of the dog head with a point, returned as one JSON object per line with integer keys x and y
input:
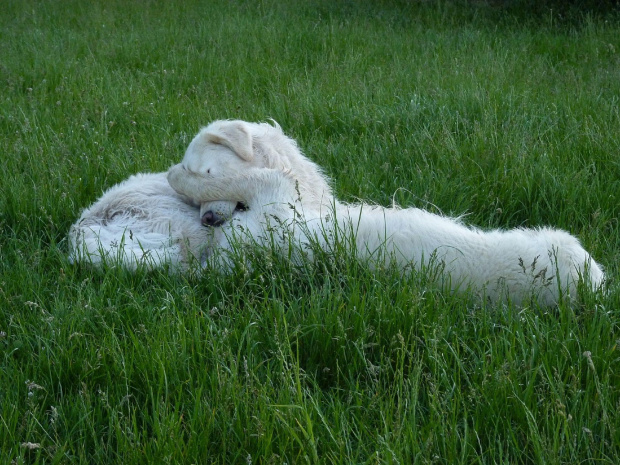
{"x": 223, "y": 147}
{"x": 231, "y": 147}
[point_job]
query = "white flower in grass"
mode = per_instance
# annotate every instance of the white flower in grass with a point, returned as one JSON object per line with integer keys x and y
{"x": 31, "y": 445}
{"x": 32, "y": 386}
{"x": 53, "y": 414}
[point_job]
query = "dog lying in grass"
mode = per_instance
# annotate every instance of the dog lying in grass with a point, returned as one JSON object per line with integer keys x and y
{"x": 144, "y": 222}
{"x": 292, "y": 210}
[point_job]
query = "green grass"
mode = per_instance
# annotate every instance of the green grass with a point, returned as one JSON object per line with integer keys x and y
{"x": 453, "y": 107}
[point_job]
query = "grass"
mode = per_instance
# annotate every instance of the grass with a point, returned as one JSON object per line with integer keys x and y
{"x": 453, "y": 107}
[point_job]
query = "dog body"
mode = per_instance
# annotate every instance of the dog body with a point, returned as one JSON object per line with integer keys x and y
{"x": 520, "y": 263}
{"x": 141, "y": 221}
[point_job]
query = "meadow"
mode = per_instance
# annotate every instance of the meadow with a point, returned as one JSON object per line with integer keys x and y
{"x": 460, "y": 108}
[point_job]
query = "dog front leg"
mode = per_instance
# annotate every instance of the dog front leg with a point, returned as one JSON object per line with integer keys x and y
{"x": 245, "y": 187}
{"x": 198, "y": 188}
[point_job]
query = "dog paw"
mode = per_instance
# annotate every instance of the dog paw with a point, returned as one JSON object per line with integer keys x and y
{"x": 176, "y": 176}
{"x": 186, "y": 182}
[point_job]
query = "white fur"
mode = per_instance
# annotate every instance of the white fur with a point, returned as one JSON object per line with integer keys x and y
{"x": 225, "y": 147}
{"x": 141, "y": 221}
{"x": 144, "y": 221}
{"x": 291, "y": 207}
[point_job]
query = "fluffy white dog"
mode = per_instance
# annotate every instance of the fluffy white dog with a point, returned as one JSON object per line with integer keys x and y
{"x": 290, "y": 207}
{"x": 143, "y": 221}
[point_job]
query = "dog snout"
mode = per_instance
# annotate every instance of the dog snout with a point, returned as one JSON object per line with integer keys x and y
{"x": 211, "y": 218}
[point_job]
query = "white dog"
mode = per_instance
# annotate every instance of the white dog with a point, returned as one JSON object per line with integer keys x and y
{"x": 286, "y": 207}
{"x": 143, "y": 221}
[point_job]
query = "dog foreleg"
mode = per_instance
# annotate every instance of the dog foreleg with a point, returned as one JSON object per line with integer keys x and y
{"x": 246, "y": 187}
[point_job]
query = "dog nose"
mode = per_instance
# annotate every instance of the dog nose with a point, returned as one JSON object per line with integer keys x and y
{"x": 210, "y": 218}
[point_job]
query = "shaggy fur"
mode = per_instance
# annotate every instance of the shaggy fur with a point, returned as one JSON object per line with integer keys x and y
{"x": 225, "y": 147}
{"x": 286, "y": 207}
{"x": 141, "y": 221}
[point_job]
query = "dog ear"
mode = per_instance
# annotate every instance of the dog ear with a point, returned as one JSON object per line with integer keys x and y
{"x": 232, "y": 134}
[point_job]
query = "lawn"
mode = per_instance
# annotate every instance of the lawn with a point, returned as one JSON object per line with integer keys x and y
{"x": 463, "y": 108}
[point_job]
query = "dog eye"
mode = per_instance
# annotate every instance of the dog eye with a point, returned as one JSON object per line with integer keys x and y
{"x": 209, "y": 171}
